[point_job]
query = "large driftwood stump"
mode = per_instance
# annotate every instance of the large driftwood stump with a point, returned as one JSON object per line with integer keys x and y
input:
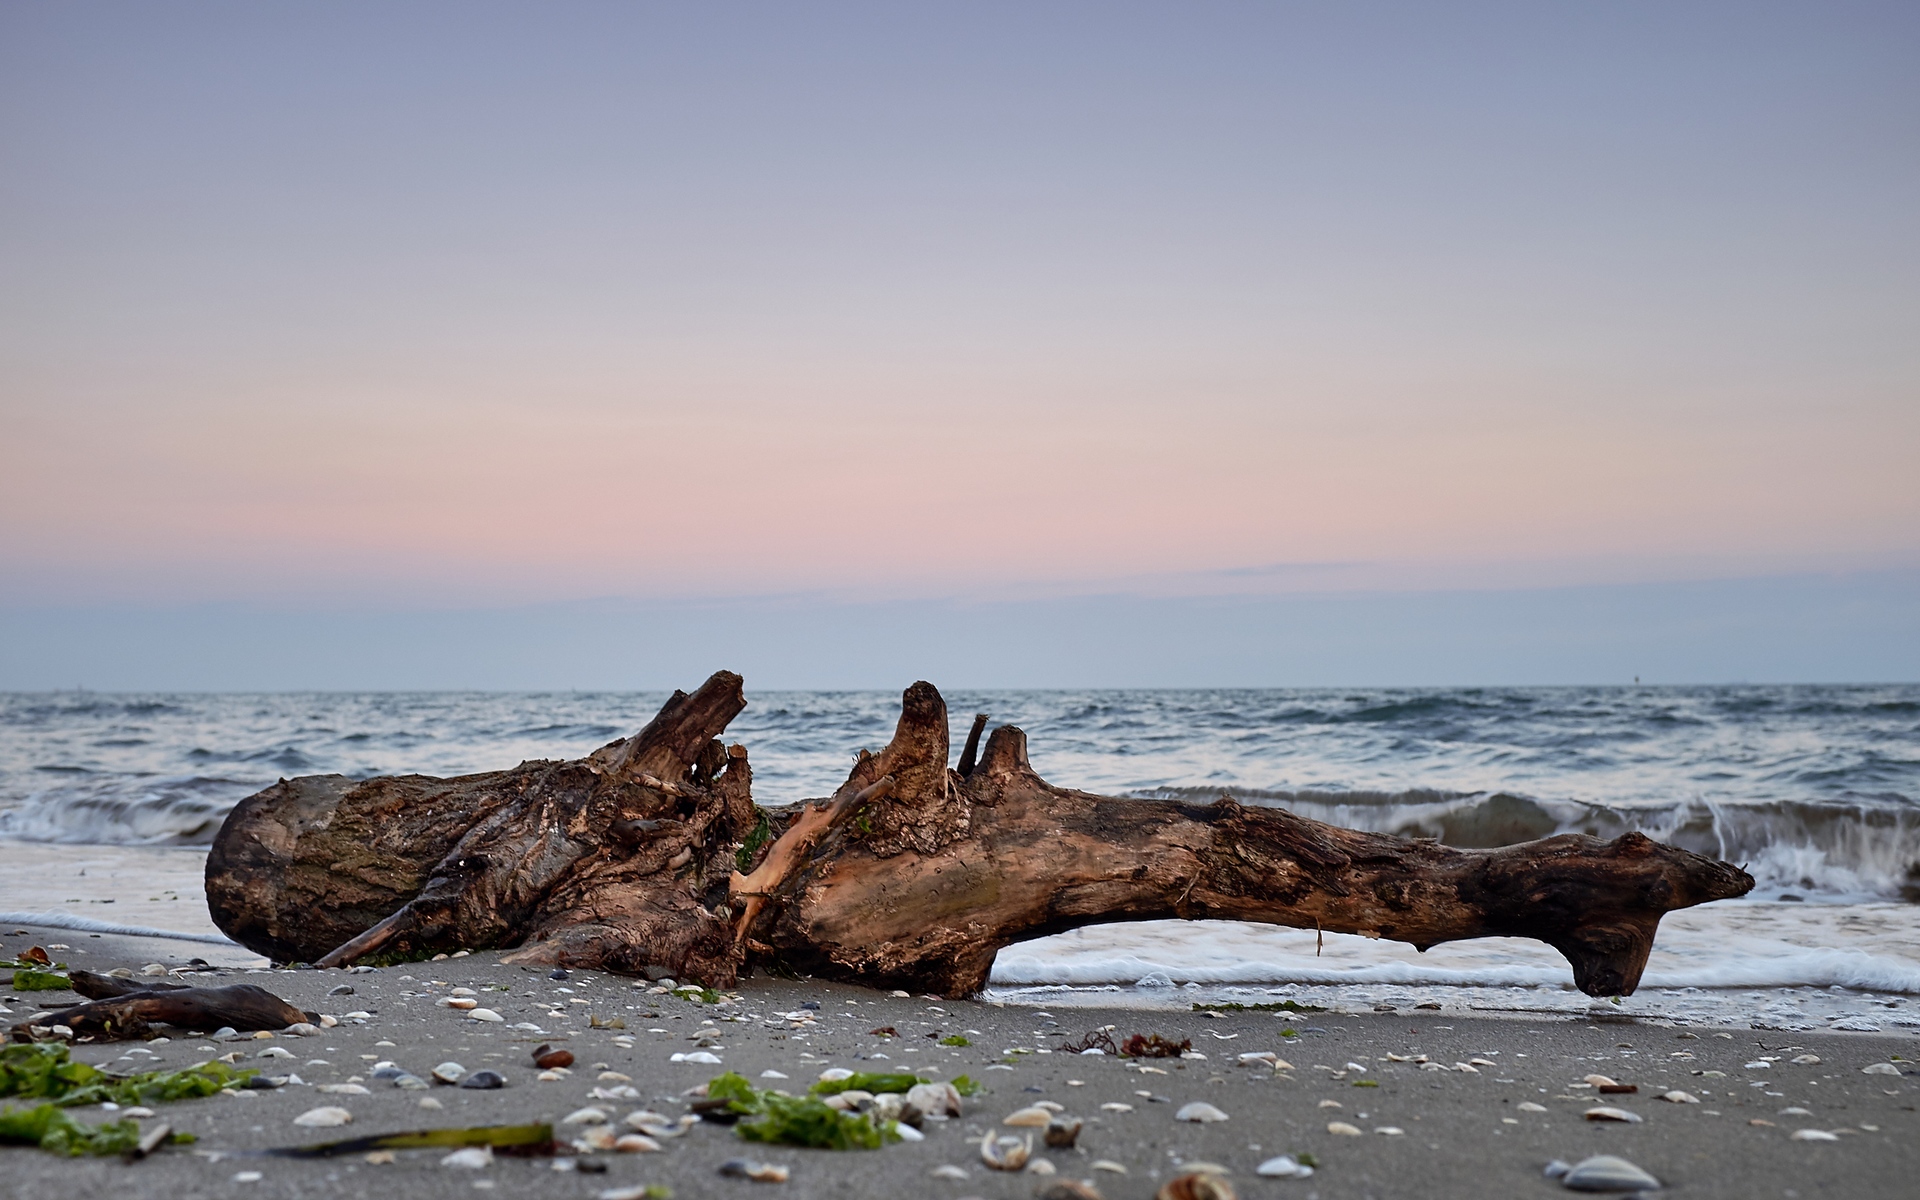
{"x": 912, "y": 875}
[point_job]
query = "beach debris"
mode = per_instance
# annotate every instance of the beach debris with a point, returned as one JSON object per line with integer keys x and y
{"x": 759, "y": 1172}
{"x": 1062, "y": 1132}
{"x": 1152, "y": 1045}
{"x": 1068, "y": 1189}
{"x": 1676, "y": 1096}
{"x": 1880, "y": 1068}
{"x": 1610, "y": 1087}
{"x": 484, "y": 1080}
{"x": 506, "y": 1139}
{"x": 1032, "y": 1117}
{"x": 46, "y": 1071}
{"x": 51, "y": 1129}
{"x": 1343, "y": 1129}
{"x": 1199, "y": 1112}
{"x": 1812, "y": 1135}
{"x": 1196, "y": 1185}
{"x": 1528, "y": 1106}
{"x": 118, "y": 1010}
{"x": 1607, "y": 1112}
{"x": 639, "y": 1191}
{"x": 1602, "y": 1173}
{"x": 323, "y": 1118}
{"x": 1283, "y": 1166}
{"x": 449, "y": 1072}
{"x": 471, "y": 1158}
{"x": 547, "y": 1058}
{"x": 948, "y": 1171}
{"x": 935, "y": 1100}
{"x": 1005, "y": 1153}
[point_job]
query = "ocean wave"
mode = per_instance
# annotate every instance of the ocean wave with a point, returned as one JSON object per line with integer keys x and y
{"x": 179, "y": 811}
{"x": 1806, "y": 968}
{"x": 1866, "y": 845}
{"x": 60, "y": 920}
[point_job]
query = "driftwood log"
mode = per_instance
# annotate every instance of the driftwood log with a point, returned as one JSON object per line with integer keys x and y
{"x": 649, "y": 857}
{"x": 118, "y": 1009}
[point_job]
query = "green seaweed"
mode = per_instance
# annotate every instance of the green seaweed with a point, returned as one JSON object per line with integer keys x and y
{"x": 32, "y": 979}
{"x": 1366, "y": 1083}
{"x": 810, "y": 1121}
{"x": 45, "y": 1071}
{"x": 967, "y": 1085}
{"x": 52, "y": 1130}
{"x": 705, "y": 995}
{"x": 761, "y": 835}
{"x": 862, "y": 1081}
{"x": 1292, "y": 1006}
{"x": 508, "y": 1139}
{"x": 956, "y": 1039}
{"x": 740, "y": 1095}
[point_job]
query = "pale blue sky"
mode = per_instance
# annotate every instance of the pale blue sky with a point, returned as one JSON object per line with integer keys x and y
{"x": 366, "y": 313}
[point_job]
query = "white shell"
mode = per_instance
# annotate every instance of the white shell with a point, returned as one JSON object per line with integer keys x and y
{"x": 1529, "y": 1106}
{"x": 1005, "y": 1154}
{"x": 1812, "y": 1135}
{"x": 635, "y": 1143}
{"x": 323, "y": 1118}
{"x": 1116, "y": 1106}
{"x": 343, "y": 1089}
{"x": 1679, "y": 1097}
{"x": 1343, "y": 1129}
{"x": 1199, "y": 1111}
{"x": 1885, "y": 1068}
{"x": 449, "y": 1072}
{"x": 1281, "y": 1167}
{"x": 472, "y": 1158}
{"x": 1607, "y": 1173}
{"x": 948, "y": 1171}
{"x": 1033, "y": 1117}
{"x": 1607, "y": 1112}
{"x": 835, "y": 1074}
{"x": 585, "y": 1116}
{"x": 485, "y": 1014}
{"x": 935, "y": 1099}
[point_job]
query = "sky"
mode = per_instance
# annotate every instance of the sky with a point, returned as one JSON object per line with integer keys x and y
{"x": 397, "y": 345}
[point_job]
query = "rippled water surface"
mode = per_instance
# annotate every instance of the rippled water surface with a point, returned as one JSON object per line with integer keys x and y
{"x": 1813, "y": 786}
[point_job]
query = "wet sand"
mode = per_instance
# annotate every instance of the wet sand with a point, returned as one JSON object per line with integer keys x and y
{"x": 1464, "y": 1132}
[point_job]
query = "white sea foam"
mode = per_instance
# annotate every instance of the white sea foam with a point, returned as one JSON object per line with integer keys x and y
{"x": 60, "y": 920}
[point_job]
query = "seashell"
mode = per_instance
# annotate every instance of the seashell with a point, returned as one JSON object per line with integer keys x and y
{"x": 1199, "y": 1112}
{"x": 302, "y": 1029}
{"x": 767, "y": 1074}
{"x": 1602, "y": 1081}
{"x": 449, "y": 1072}
{"x": 343, "y": 1089}
{"x": 835, "y": 1074}
{"x": 1331, "y": 1104}
{"x": 612, "y": 1076}
{"x": 1196, "y": 1185}
{"x": 464, "y": 1003}
{"x": 1881, "y": 1068}
{"x": 547, "y": 1058}
{"x": 1758, "y": 1064}
{"x": 1041, "y": 1166}
{"x": 409, "y": 1082}
{"x": 485, "y": 1014}
{"x": 1607, "y": 1112}
{"x": 1390, "y": 1130}
{"x": 635, "y": 1143}
{"x": 1282, "y": 1166}
{"x": 1062, "y": 1132}
{"x": 323, "y": 1118}
{"x": 697, "y": 1056}
{"x": 1005, "y": 1153}
{"x": 1033, "y": 1117}
{"x": 1607, "y": 1173}
{"x": 619, "y": 1091}
{"x": 461, "y": 991}
{"x": 936, "y": 1100}
{"x": 948, "y": 1171}
{"x": 1483, "y": 1062}
{"x": 1107, "y": 1164}
{"x": 1796, "y": 1112}
{"x": 1256, "y": 1056}
{"x": 1805, "y": 1060}
{"x": 1557, "y": 1169}
{"x": 585, "y": 1116}
{"x": 1116, "y": 1106}
{"x": 275, "y": 1052}
{"x": 1049, "y": 1105}
{"x": 1343, "y": 1129}
{"x": 908, "y": 1133}
{"x": 759, "y": 1172}
{"x": 596, "y": 1137}
{"x": 1529, "y": 1106}
{"x": 1204, "y": 1168}
{"x": 1679, "y": 1097}
{"x": 1067, "y": 1189}
{"x": 484, "y": 1080}
{"x": 1812, "y": 1135}
{"x": 473, "y": 1158}
{"x": 549, "y": 1077}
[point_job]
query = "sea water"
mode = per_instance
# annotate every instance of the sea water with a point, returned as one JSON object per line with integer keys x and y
{"x": 1812, "y": 788}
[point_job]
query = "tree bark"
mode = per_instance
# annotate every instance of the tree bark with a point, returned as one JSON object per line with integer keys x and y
{"x": 920, "y": 885}
{"x": 912, "y": 875}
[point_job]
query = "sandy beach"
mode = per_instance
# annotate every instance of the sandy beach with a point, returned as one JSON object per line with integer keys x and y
{"x": 1460, "y": 1132}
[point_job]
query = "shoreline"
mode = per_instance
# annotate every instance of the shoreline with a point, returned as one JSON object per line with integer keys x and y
{"x": 1464, "y": 1133}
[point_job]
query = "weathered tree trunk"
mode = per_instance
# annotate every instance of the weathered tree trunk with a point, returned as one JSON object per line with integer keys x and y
{"x": 912, "y": 875}
{"x": 922, "y": 882}
{"x": 616, "y": 860}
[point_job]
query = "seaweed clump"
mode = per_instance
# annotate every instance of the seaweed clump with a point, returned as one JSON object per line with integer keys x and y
{"x": 44, "y": 1071}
